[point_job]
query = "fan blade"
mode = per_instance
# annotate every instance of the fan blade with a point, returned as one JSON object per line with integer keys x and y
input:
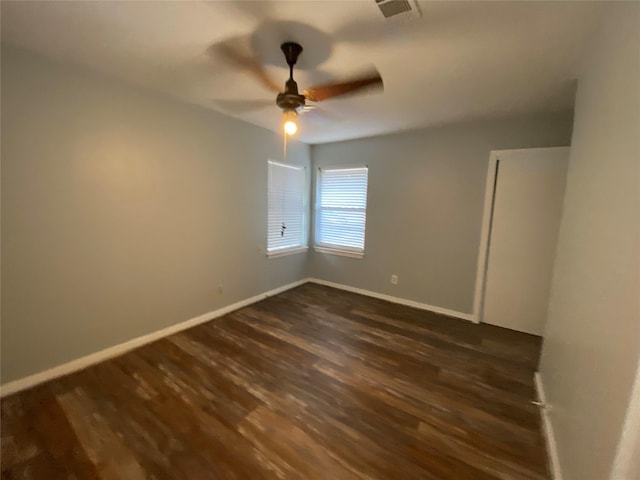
{"x": 233, "y": 54}
{"x": 324, "y": 92}
{"x": 242, "y": 106}
{"x": 258, "y": 10}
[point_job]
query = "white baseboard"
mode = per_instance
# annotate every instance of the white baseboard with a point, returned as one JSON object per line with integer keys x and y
{"x": 116, "y": 350}
{"x": 401, "y": 301}
{"x": 547, "y": 430}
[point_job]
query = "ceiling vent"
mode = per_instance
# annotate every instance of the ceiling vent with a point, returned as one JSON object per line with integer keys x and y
{"x": 398, "y": 8}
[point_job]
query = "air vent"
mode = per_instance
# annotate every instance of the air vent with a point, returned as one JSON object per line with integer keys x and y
{"x": 401, "y": 8}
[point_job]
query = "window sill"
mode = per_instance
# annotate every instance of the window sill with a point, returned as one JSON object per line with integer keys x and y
{"x": 286, "y": 251}
{"x": 336, "y": 251}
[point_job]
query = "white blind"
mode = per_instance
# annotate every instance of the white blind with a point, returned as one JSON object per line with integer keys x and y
{"x": 285, "y": 222}
{"x": 341, "y": 208}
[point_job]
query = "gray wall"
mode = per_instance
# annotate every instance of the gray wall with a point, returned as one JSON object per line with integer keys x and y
{"x": 425, "y": 203}
{"x": 122, "y": 211}
{"x": 592, "y": 340}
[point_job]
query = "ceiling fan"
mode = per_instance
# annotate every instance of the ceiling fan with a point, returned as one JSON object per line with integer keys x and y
{"x": 290, "y": 100}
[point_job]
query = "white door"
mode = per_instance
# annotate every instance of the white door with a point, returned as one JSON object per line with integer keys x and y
{"x": 529, "y": 190}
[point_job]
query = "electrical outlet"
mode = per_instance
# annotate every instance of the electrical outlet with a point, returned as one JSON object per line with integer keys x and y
{"x": 394, "y": 279}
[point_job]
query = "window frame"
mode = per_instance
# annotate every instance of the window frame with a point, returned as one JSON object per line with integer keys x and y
{"x": 303, "y": 246}
{"x": 335, "y": 249}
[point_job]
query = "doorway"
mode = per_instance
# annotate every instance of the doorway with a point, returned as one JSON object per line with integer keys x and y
{"x": 523, "y": 206}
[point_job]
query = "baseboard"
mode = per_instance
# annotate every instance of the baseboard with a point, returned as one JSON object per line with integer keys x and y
{"x": 116, "y": 350}
{"x": 547, "y": 430}
{"x": 401, "y": 301}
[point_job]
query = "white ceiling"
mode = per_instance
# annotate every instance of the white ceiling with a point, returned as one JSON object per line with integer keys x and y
{"x": 459, "y": 61}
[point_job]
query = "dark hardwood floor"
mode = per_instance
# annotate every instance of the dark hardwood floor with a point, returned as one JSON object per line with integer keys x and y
{"x": 315, "y": 383}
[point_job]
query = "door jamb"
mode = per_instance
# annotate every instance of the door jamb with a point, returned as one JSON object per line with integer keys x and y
{"x": 485, "y": 232}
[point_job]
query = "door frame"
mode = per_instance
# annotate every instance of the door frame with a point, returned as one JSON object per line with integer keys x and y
{"x": 485, "y": 231}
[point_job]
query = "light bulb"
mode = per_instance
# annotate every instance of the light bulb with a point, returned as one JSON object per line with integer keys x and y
{"x": 290, "y": 126}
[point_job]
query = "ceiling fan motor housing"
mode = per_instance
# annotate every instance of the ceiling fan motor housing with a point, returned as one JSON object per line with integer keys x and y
{"x": 290, "y": 99}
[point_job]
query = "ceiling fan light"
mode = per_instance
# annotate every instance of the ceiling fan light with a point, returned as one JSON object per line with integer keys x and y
{"x": 290, "y": 128}
{"x": 290, "y": 125}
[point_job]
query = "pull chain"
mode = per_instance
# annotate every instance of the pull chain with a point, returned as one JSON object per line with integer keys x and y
{"x": 284, "y": 189}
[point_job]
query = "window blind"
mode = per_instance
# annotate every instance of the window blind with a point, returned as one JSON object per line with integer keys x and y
{"x": 341, "y": 208}
{"x": 285, "y": 222}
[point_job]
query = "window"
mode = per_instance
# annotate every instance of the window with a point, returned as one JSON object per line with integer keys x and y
{"x": 285, "y": 222}
{"x": 341, "y": 210}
